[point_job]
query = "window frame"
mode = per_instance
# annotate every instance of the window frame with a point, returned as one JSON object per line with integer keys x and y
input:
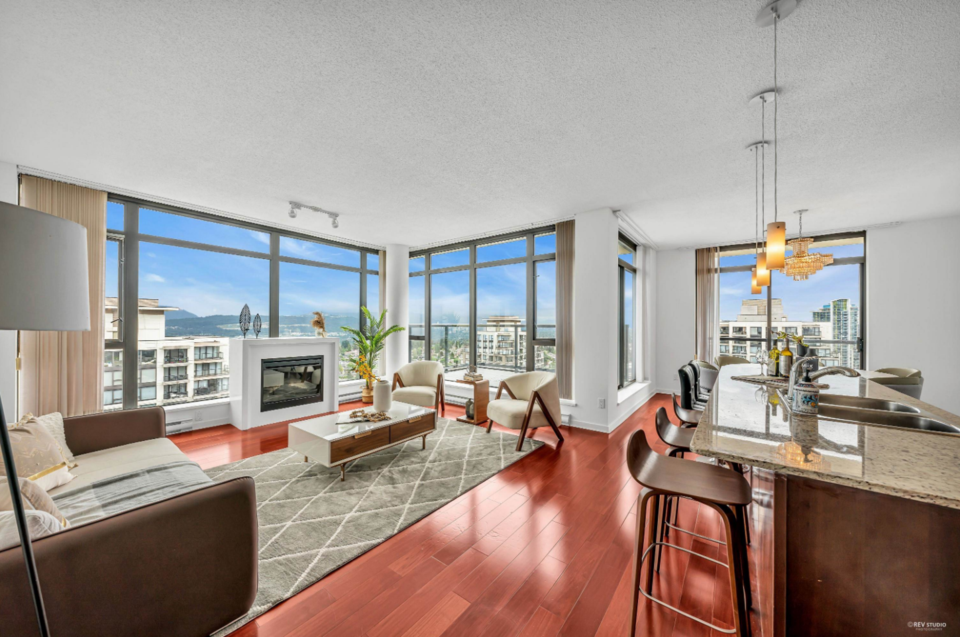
{"x": 130, "y": 239}
{"x": 473, "y": 266}
{"x": 861, "y": 261}
{"x": 622, "y": 346}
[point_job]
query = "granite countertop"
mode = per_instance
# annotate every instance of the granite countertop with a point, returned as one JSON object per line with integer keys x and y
{"x": 741, "y": 425}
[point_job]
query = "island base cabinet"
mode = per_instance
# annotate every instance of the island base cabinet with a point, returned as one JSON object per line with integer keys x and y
{"x": 853, "y": 562}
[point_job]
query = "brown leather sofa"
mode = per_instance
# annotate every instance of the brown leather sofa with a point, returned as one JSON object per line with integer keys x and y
{"x": 182, "y": 566}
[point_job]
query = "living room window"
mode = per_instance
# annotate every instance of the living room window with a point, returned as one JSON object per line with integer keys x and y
{"x": 176, "y": 281}
{"x": 489, "y": 303}
{"x": 627, "y": 332}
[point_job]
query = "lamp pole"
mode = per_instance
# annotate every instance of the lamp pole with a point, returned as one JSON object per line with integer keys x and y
{"x": 14, "y": 483}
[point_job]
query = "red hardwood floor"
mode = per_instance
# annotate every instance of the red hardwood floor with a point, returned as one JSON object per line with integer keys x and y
{"x": 542, "y": 548}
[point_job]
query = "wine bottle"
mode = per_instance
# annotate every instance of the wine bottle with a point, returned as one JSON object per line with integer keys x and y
{"x": 786, "y": 358}
{"x": 775, "y": 358}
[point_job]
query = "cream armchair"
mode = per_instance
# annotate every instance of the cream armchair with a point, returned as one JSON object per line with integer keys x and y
{"x": 534, "y": 401}
{"x": 420, "y": 383}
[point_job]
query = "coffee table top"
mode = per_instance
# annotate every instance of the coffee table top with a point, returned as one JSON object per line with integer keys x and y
{"x": 336, "y": 426}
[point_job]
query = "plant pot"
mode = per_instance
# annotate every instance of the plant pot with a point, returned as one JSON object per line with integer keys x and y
{"x": 320, "y": 333}
{"x": 382, "y": 396}
{"x": 366, "y": 394}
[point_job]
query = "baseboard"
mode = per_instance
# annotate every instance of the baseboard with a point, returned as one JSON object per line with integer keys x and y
{"x": 589, "y": 426}
{"x": 650, "y": 393}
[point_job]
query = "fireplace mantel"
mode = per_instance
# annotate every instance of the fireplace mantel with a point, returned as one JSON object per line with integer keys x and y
{"x": 246, "y": 356}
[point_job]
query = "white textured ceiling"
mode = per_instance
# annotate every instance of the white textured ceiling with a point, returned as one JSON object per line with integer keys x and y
{"x": 428, "y": 120}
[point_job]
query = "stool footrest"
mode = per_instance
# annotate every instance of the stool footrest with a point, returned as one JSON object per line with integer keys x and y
{"x": 726, "y": 631}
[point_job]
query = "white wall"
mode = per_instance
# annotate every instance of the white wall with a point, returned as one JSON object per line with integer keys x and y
{"x": 676, "y": 307}
{"x": 913, "y": 304}
{"x": 9, "y": 187}
{"x": 595, "y": 319}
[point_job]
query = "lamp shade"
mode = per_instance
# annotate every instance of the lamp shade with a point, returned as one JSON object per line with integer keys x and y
{"x": 43, "y": 272}
{"x": 754, "y": 286}
{"x": 763, "y": 274}
{"x": 776, "y": 244}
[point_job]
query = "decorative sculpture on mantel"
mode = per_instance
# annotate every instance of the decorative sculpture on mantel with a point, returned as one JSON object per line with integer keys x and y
{"x": 257, "y": 324}
{"x": 319, "y": 324}
{"x": 245, "y": 320}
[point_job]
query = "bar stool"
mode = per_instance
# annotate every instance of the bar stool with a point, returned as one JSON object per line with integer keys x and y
{"x": 724, "y": 491}
{"x": 687, "y": 417}
{"x": 679, "y": 441}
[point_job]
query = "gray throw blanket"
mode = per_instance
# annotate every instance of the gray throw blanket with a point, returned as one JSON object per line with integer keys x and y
{"x": 130, "y": 490}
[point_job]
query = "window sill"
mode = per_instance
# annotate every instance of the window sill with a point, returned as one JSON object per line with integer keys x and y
{"x": 630, "y": 390}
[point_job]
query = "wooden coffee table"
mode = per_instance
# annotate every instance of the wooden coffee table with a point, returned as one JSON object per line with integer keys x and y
{"x": 335, "y": 440}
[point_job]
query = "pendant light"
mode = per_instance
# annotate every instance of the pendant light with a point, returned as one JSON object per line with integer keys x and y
{"x": 773, "y": 13}
{"x": 763, "y": 272}
{"x": 803, "y": 263}
{"x": 760, "y": 276}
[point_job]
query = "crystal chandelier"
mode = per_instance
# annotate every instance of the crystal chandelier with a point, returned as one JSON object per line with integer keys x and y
{"x": 804, "y": 263}
{"x": 794, "y": 455}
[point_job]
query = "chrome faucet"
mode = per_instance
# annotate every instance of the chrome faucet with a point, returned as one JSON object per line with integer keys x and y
{"x": 826, "y": 371}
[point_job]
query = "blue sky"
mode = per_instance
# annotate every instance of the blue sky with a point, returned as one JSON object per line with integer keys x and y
{"x": 799, "y": 298}
{"x": 207, "y": 283}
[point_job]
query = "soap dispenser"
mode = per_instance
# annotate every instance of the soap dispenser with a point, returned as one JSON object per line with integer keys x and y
{"x": 806, "y": 395}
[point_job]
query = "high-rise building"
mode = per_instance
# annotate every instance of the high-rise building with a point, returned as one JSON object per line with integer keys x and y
{"x": 169, "y": 370}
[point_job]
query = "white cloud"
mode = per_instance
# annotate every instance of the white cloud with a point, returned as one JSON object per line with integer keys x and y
{"x": 155, "y": 278}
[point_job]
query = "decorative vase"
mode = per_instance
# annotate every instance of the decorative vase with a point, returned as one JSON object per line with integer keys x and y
{"x": 366, "y": 394}
{"x": 382, "y": 396}
{"x": 321, "y": 333}
{"x": 469, "y": 408}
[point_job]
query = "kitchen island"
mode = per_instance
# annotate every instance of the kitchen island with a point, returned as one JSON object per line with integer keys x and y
{"x": 866, "y": 517}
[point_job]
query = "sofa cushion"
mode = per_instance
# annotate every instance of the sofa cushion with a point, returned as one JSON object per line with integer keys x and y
{"x": 509, "y": 413}
{"x": 39, "y": 524}
{"x": 32, "y": 496}
{"x": 116, "y": 461}
{"x": 37, "y": 455}
{"x": 420, "y": 396}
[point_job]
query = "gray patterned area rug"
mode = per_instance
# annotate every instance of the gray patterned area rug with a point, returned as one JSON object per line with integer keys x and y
{"x": 311, "y": 523}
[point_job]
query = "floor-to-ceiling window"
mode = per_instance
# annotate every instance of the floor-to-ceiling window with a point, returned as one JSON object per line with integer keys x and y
{"x": 627, "y": 333}
{"x": 177, "y": 281}
{"x": 489, "y": 303}
{"x": 827, "y": 309}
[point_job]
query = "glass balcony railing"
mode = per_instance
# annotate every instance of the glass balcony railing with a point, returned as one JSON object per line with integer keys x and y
{"x": 499, "y": 347}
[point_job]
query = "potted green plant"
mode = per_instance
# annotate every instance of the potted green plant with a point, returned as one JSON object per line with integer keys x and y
{"x": 370, "y": 340}
{"x": 802, "y": 348}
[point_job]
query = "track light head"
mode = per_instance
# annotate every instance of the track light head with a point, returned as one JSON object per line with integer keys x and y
{"x": 295, "y": 206}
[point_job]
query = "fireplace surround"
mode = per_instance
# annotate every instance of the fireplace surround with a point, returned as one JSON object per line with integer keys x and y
{"x": 270, "y": 381}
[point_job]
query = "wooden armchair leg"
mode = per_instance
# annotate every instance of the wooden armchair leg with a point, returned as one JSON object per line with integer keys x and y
{"x": 489, "y": 425}
{"x": 523, "y": 433}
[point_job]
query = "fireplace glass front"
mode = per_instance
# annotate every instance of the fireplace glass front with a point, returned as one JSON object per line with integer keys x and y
{"x": 286, "y": 382}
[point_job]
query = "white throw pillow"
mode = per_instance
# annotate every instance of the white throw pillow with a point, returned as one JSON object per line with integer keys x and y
{"x": 39, "y": 524}
{"x": 54, "y": 424}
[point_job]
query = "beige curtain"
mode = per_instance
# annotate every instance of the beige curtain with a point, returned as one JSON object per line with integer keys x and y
{"x": 708, "y": 304}
{"x": 382, "y": 280}
{"x": 565, "y": 257}
{"x": 63, "y": 371}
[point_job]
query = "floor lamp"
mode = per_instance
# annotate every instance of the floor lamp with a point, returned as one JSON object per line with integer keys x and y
{"x": 43, "y": 287}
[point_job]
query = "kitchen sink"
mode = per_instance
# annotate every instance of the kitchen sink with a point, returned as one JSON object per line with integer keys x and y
{"x": 866, "y": 403}
{"x": 885, "y": 418}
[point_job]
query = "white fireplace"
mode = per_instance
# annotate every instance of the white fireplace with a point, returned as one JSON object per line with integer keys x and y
{"x": 277, "y": 379}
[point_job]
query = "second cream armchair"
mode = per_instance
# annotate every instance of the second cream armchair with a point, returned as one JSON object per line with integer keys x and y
{"x": 420, "y": 383}
{"x": 534, "y": 401}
